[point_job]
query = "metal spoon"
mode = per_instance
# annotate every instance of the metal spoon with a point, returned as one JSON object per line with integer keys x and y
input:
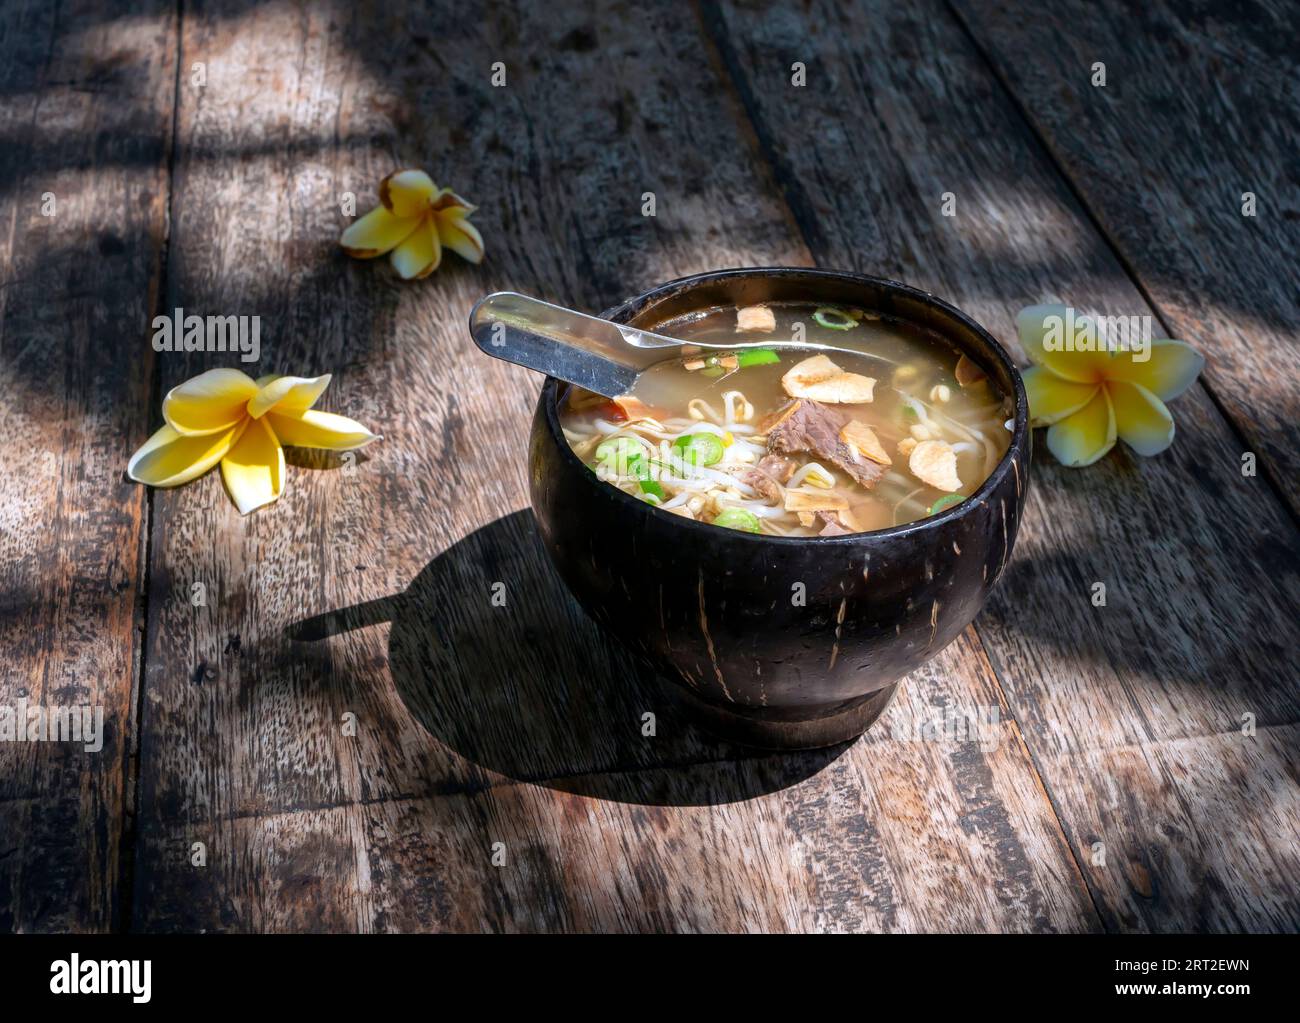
{"x": 600, "y": 355}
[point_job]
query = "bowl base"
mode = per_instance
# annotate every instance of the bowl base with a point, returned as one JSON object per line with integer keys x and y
{"x": 783, "y": 728}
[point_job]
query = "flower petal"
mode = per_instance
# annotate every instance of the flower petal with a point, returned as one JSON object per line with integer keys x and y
{"x": 168, "y": 458}
{"x": 407, "y": 193}
{"x": 208, "y": 403}
{"x": 1172, "y": 368}
{"x": 314, "y": 429}
{"x": 459, "y": 235}
{"x": 1086, "y": 436}
{"x": 1141, "y": 419}
{"x": 290, "y": 395}
{"x": 448, "y": 201}
{"x": 379, "y": 231}
{"x": 1051, "y": 399}
{"x": 1043, "y": 330}
{"x": 254, "y": 468}
{"x": 419, "y": 255}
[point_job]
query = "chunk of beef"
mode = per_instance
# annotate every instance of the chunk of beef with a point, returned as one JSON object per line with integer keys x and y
{"x": 768, "y": 473}
{"x": 833, "y": 526}
{"x": 809, "y": 426}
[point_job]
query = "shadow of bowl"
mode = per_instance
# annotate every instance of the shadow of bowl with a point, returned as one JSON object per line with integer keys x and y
{"x": 494, "y": 658}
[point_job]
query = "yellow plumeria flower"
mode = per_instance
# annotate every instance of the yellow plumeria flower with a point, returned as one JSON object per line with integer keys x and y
{"x": 225, "y": 416}
{"x": 416, "y": 220}
{"x": 1089, "y": 398}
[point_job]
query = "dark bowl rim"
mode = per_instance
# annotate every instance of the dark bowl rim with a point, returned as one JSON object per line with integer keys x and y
{"x": 1019, "y": 435}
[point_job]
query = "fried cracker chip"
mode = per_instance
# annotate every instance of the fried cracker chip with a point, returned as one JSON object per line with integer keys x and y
{"x": 799, "y": 501}
{"x": 935, "y": 462}
{"x": 862, "y": 439}
{"x": 755, "y": 317}
{"x": 819, "y": 379}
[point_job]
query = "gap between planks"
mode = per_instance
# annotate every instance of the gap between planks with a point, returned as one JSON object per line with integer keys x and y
{"x": 127, "y": 868}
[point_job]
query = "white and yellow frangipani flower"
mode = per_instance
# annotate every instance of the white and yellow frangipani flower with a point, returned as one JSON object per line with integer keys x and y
{"x": 225, "y": 416}
{"x": 1089, "y": 398}
{"x": 417, "y": 219}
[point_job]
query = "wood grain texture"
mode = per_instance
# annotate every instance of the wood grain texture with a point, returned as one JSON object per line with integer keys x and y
{"x": 855, "y": 848}
{"x": 1133, "y": 710}
{"x": 367, "y": 592}
{"x": 1204, "y": 110}
{"x": 85, "y": 116}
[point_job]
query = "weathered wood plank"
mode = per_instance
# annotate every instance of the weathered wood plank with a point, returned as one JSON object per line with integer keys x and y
{"x": 1200, "y": 107}
{"x": 899, "y": 833}
{"x": 85, "y": 118}
{"x": 456, "y": 701}
{"x": 1200, "y": 616}
{"x": 1221, "y": 825}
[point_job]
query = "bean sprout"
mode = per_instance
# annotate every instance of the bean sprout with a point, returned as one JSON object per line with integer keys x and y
{"x": 904, "y": 501}
{"x": 802, "y": 474}
{"x": 746, "y": 413}
{"x": 698, "y": 408}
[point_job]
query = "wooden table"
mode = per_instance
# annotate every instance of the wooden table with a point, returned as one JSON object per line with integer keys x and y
{"x": 340, "y": 733}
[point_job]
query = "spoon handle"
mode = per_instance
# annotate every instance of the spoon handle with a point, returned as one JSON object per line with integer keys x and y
{"x": 597, "y": 354}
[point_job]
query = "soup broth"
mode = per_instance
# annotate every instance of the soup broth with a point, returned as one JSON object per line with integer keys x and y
{"x": 890, "y": 424}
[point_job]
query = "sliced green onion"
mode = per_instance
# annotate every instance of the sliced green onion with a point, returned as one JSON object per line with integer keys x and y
{"x": 700, "y": 448}
{"x": 640, "y": 468}
{"x": 617, "y": 448}
{"x": 651, "y": 499}
{"x": 834, "y": 319}
{"x": 909, "y": 412}
{"x": 711, "y": 371}
{"x": 756, "y": 357}
{"x": 649, "y": 488}
{"x": 737, "y": 518}
{"x": 944, "y": 502}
